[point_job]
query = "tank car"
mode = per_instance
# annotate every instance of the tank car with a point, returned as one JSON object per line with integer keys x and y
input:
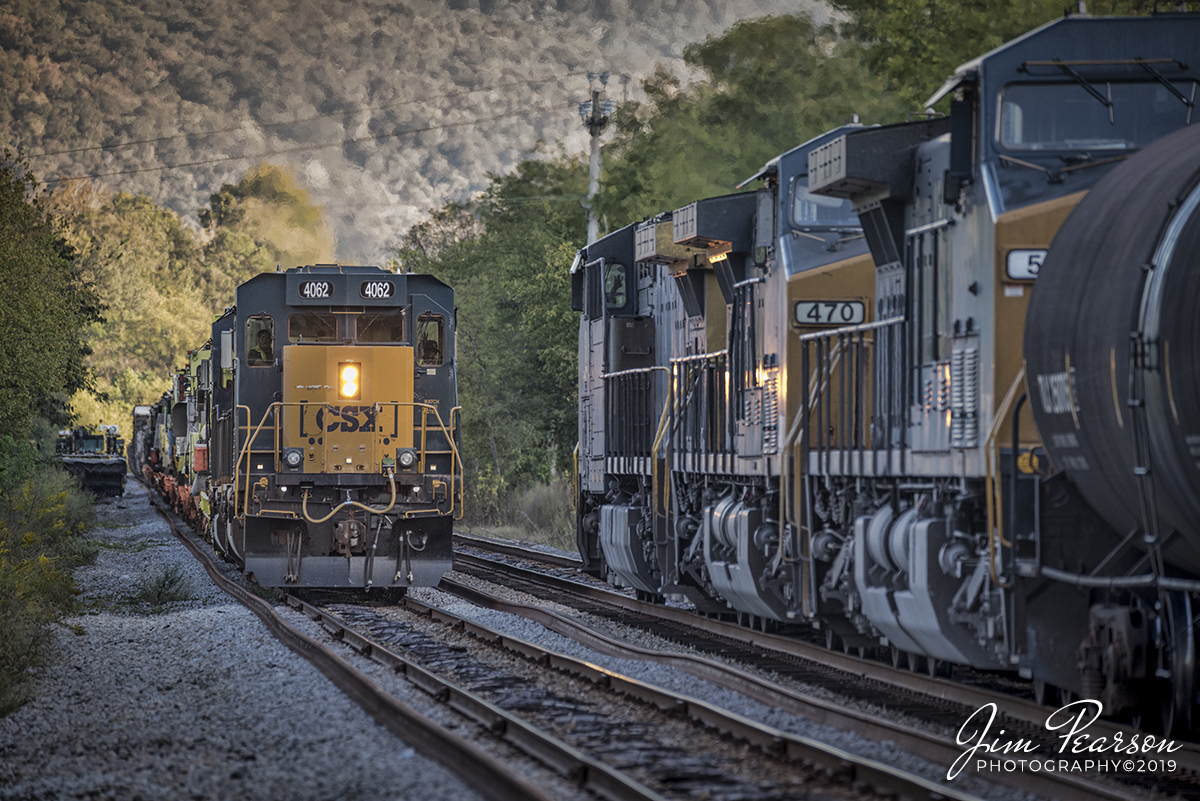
{"x": 315, "y": 436}
{"x": 985, "y": 454}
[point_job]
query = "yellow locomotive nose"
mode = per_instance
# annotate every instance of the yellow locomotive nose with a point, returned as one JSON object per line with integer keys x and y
{"x": 348, "y": 385}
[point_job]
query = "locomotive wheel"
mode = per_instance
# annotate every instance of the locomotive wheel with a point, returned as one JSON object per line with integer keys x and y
{"x": 1176, "y": 696}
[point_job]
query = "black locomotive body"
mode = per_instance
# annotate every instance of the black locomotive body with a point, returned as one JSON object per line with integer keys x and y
{"x": 315, "y": 436}
{"x": 880, "y": 396}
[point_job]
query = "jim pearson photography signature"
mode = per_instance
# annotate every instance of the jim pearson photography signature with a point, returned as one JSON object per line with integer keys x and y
{"x": 1071, "y": 721}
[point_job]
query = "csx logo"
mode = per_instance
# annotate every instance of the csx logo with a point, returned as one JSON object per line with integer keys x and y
{"x": 344, "y": 419}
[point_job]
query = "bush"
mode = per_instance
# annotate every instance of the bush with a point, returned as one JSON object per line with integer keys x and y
{"x": 31, "y": 594}
{"x": 544, "y": 513}
{"x": 42, "y": 520}
{"x": 52, "y": 504}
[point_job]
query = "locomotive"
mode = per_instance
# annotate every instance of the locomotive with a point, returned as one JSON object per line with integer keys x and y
{"x": 931, "y": 388}
{"x": 315, "y": 436}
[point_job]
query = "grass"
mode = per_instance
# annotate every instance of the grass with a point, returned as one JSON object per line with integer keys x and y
{"x": 544, "y": 514}
{"x": 163, "y": 587}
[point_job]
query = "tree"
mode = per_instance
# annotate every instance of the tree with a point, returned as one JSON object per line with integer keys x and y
{"x": 145, "y": 264}
{"x": 277, "y": 215}
{"x": 766, "y": 86}
{"x": 48, "y": 305}
{"x": 506, "y": 254}
{"x": 163, "y": 282}
{"x": 918, "y": 45}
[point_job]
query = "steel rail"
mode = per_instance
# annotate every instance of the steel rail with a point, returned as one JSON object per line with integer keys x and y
{"x": 858, "y": 771}
{"x": 1059, "y": 785}
{"x": 935, "y": 748}
{"x": 512, "y": 549}
{"x": 569, "y": 762}
{"x": 479, "y": 770}
{"x": 943, "y": 689}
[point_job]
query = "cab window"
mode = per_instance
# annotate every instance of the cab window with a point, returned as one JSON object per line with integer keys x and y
{"x": 431, "y": 340}
{"x": 614, "y": 286}
{"x": 382, "y": 326}
{"x": 311, "y": 327}
{"x": 817, "y": 210}
{"x": 260, "y": 341}
{"x": 1103, "y": 115}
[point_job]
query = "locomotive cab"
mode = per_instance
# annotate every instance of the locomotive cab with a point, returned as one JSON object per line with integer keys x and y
{"x": 336, "y": 454}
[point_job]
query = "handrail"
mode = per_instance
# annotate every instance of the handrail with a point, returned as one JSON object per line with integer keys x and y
{"x": 455, "y": 458}
{"x": 851, "y": 329}
{"x": 995, "y": 511}
{"x": 664, "y": 424}
{"x": 699, "y": 357}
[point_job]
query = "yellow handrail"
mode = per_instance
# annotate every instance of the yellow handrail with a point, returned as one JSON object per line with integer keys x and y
{"x": 995, "y": 511}
{"x": 664, "y": 424}
{"x": 455, "y": 457}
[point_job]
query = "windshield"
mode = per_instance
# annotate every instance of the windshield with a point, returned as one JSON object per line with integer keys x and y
{"x": 1103, "y": 115}
{"x": 817, "y": 210}
{"x": 379, "y": 326}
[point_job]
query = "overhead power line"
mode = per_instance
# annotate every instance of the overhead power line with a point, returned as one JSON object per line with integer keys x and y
{"x": 310, "y": 148}
{"x": 302, "y": 120}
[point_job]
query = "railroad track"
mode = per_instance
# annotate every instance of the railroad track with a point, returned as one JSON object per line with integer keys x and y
{"x": 931, "y": 700}
{"x": 793, "y": 765}
{"x": 675, "y": 744}
{"x": 483, "y": 772}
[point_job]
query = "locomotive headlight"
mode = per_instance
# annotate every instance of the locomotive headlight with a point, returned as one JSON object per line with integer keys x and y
{"x": 292, "y": 457}
{"x": 406, "y": 457}
{"x": 349, "y": 383}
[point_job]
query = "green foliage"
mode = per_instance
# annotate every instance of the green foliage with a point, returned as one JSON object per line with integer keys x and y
{"x": 42, "y": 518}
{"x": 918, "y": 45}
{"x": 48, "y": 305}
{"x": 275, "y": 217}
{"x": 144, "y": 262}
{"x": 766, "y": 86}
{"x": 163, "y": 283}
{"x": 507, "y": 257}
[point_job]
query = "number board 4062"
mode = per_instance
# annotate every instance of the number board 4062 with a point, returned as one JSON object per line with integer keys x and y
{"x": 830, "y": 312}
{"x": 316, "y": 290}
{"x": 377, "y": 290}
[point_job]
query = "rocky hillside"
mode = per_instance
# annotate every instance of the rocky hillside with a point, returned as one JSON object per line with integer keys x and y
{"x": 384, "y": 110}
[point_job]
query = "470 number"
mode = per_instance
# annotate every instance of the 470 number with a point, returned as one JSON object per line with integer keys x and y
{"x": 830, "y": 312}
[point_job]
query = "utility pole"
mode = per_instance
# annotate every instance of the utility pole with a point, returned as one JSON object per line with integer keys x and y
{"x": 595, "y": 114}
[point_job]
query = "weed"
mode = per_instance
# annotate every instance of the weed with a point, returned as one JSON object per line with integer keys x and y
{"x": 164, "y": 587}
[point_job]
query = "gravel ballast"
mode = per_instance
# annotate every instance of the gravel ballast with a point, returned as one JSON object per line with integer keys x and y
{"x": 192, "y": 700}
